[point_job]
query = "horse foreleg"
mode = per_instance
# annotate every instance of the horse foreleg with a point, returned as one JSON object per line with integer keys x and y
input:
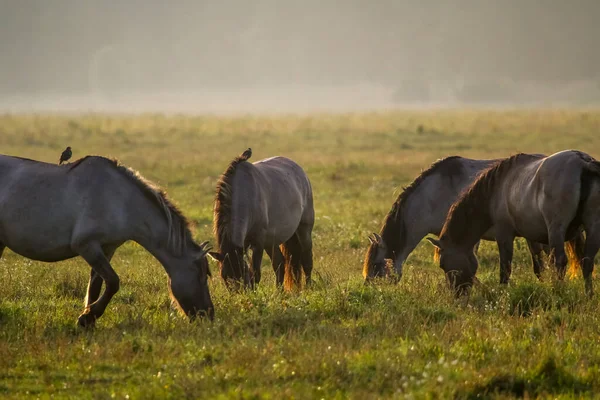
{"x": 276, "y": 256}
{"x": 95, "y": 283}
{"x": 536, "y": 250}
{"x": 257, "y": 255}
{"x": 505, "y": 248}
{"x": 95, "y": 257}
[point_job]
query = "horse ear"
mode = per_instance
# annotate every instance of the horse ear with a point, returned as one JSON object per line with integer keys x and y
{"x": 204, "y": 249}
{"x": 374, "y": 238}
{"x": 216, "y": 256}
{"x": 434, "y": 242}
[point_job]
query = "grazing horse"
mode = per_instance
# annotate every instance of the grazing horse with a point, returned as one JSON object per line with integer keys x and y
{"x": 89, "y": 208}
{"x": 544, "y": 199}
{"x": 262, "y": 206}
{"x": 421, "y": 209}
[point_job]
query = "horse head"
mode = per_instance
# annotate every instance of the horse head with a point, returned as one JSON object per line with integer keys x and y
{"x": 233, "y": 267}
{"x": 188, "y": 283}
{"x": 375, "y": 264}
{"x": 459, "y": 265}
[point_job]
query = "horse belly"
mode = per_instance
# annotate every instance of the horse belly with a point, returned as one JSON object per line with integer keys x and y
{"x": 533, "y": 228}
{"x": 525, "y": 214}
{"x": 283, "y": 223}
{"x": 47, "y": 254}
{"x": 39, "y": 248}
{"x": 489, "y": 235}
{"x": 284, "y": 219}
{"x": 42, "y": 242}
{"x": 282, "y": 232}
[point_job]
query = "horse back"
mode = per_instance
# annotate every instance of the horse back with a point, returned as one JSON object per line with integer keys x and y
{"x": 428, "y": 199}
{"x": 62, "y": 191}
{"x": 44, "y": 206}
{"x": 271, "y": 197}
{"x": 539, "y": 191}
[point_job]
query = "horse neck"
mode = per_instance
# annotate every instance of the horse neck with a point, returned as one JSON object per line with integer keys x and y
{"x": 168, "y": 258}
{"x": 227, "y": 245}
{"x": 467, "y": 235}
{"x": 393, "y": 235}
{"x": 155, "y": 237}
{"x": 237, "y": 211}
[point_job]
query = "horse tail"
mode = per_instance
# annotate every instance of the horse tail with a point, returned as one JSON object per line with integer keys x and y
{"x": 591, "y": 172}
{"x": 575, "y": 247}
{"x": 292, "y": 256}
{"x": 574, "y": 250}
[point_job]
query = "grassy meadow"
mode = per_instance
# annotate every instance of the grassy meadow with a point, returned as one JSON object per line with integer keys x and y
{"x": 340, "y": 339}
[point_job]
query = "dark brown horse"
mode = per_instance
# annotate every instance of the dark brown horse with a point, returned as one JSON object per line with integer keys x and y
{"x": 264, "y": 206}
{"x": 421, "y": 209}
{"x": 544, "y": 199}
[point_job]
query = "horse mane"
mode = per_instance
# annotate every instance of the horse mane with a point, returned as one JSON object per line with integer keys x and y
{"x": 180, "y": 233}
{"x": 222, "y": 208}
{"x": 393, "y": 230}
{"x": 472, "y": 204}
{"x": 77, "y": 162}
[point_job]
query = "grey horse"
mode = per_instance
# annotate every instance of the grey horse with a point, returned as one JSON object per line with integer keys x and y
{"x": 421, "y": 209}
{"x": 544, "y": 199}
{"x": 264, "y": 206}
{"x": 89, "y": 208}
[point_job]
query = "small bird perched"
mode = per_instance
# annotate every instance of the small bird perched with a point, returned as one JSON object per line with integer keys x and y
{"x": 247, "y": 154}
{"x": 66, "y": 155}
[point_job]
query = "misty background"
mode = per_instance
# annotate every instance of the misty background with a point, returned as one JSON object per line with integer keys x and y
{"x": 295, "y": 55}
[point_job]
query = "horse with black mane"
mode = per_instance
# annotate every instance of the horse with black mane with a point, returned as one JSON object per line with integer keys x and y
{"x": 264, "y": 206}
{"x": 544, "y": 199}
{"x": 421, "y": 209}
{"x": 89, "y": 208}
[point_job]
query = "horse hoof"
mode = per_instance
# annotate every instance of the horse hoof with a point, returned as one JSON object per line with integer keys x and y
{"x": 86, "y": 320}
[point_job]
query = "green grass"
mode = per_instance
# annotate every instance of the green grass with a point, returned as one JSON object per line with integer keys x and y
{"x": 339, "y": 339}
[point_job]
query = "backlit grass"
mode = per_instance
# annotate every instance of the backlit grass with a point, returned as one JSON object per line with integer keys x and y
{"x": 339, "y": 339}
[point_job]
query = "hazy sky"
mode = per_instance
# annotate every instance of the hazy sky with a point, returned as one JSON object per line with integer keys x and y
{"x": 186, "y": 48}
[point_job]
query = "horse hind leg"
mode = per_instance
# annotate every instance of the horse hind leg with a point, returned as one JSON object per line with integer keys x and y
{"x": 93, "y": 289}
{"x": 307, "y": 265}
{"x": 95, "y": 283}
{"x": 278, "y": 262}
{"x": 304, "y": 234}
{"x": 591, "y": 247}
{"x": 92, "y": 253}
